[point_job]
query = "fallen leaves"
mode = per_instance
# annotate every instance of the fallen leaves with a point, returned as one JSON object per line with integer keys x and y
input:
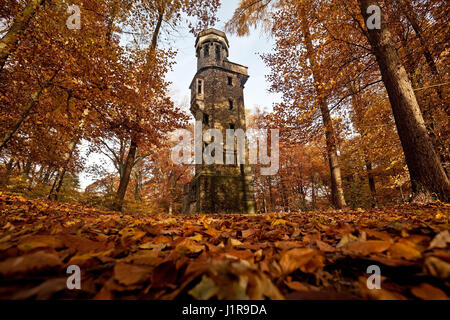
{"x": 309, "y": 255}
{"x": 441, "y": 240}
{"x": 426, "y": 291}
{"x": 128, "y": 274}
{"x": 30, "y": 264}
{"x": 227, "y": 280}
{"x": 365, "y": 248}
{"x": 40, "y": 241}
{"x": 305, "y": 259}
{"x": 404, "y": 251}
{"x": 189, "y": 246}
{"x": 437, "y": 268}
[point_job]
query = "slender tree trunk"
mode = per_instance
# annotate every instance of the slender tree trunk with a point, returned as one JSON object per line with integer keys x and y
{"x": 8, "y": 135}
{"x": 125, "y": 178}
{"x": 409, "y": 13}
{"x": 56, "y": 187}
{"x": 121, "y": 191}
{"x": 426, "y": 172}
{"x": 372, "y": 186}
{"x": 32, "y": 103}
{"x": 337, "y": 192}
{"x": 284, "y": 196}
{"x": 9, "y": 167}
{"x": 313, "y": 193}
{"x": 27, "y": 168}
{"x": 9, "y": 41}
{"x": 358, "y": 122}
{"x": 32, "y": 178}
{"x": 137, "y": 185}
{"x": 264, "y": 204}
{"x": 170, "y": 207}
{"x": 46, "y": 176}
{"x": 53, "y": 195}
{"x": 272, "y": 202}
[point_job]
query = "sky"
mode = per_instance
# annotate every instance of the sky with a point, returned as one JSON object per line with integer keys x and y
{"x": 243, "y": 50}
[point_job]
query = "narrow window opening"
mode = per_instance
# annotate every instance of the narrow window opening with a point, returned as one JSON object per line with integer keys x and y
{"x": 230, "y": 81}
{"x": 217, "y": 52}
{"x": 206, "y": 51}
{"x": 206, "y": 119}
{"x": 230, "y": 104}
{"x": 200, "y": 86}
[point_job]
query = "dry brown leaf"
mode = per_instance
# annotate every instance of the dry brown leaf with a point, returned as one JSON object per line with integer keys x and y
{"x": 437, "y": 268}
{"x": 44, "y": 291}
{"x": 426, "y": 291}
{"x": 144, "y": 257}
{"x": 404, "y": 251}
{"x": 129, "y": 275}
{"x": 366, "y": 248}
{"x": 297, "y": 286}
{"x": 30, "y": 263}
{"x": 441, "y": 240}
{"x": 306, "y": 259}
{"x": 325, "y": 247}
{"x": 189, "y": 246}
{"x": 40, "y": 241}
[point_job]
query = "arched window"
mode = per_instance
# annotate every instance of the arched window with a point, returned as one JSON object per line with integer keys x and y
{"x": 206, "y": 50}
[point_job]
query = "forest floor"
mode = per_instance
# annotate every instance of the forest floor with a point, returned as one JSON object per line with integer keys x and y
{"x": 309, "y": 255}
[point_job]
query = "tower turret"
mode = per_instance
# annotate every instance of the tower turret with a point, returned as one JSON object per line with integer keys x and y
{"x": 211, "y": 48}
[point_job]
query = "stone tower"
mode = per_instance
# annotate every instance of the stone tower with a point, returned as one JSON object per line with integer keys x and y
{"x": 217, "y": 100}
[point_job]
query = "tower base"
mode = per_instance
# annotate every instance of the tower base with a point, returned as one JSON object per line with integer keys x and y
{"x": 208, "y": 193}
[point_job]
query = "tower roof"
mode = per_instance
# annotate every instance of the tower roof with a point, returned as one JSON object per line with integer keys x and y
{"x": 211, "y": 33}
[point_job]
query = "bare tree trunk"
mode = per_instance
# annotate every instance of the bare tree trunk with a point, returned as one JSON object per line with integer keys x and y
{"x": 337, "y": 192}
{"x": 264, "y": 204}
{"x": 9, "y": 41}
{"x": 47, "y": 174}
{"x": 372, "y": 186}
{"x": 284, "y": 196}
{"x": 426, "y": 172}
{"x": 137, "y": 184}
{"x": 313, "y": 194}
{"x": 272, "y": 202}
{"x": 125, "y": 179}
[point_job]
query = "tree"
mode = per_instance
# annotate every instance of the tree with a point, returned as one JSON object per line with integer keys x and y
{"x": 426, "y": 172}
